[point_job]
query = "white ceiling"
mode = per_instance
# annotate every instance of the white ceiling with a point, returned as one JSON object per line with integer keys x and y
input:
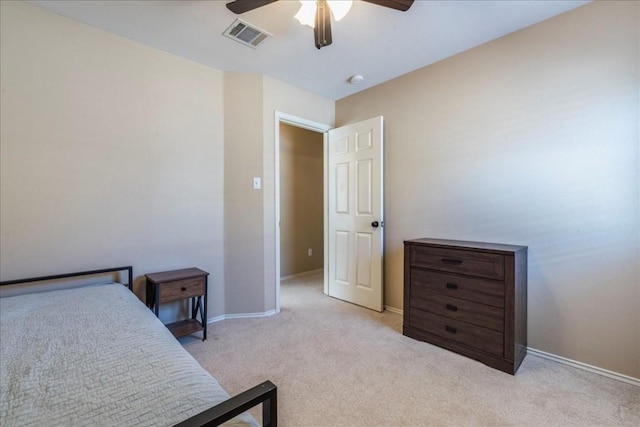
{"x": 376, "y": 42}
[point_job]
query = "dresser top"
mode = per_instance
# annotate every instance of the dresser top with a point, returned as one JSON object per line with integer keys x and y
{"x": 461, "y": 244}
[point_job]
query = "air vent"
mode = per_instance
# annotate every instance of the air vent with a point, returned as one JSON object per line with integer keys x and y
{"x": 246, "y": 34}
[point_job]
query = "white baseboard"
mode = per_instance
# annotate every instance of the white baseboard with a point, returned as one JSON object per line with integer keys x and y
{"x": 562, "y": 360}
{"x": 594, "y": 369}
{"x": 394, "y": 310}
{"x": 240, "y": 316}
{"x": 304, "y": 273}
{"x": 215, "y": 319}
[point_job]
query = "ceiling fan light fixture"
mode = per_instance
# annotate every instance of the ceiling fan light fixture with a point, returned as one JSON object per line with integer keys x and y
{"x": 307, "y": 12}
{"x": 340, "y": 8}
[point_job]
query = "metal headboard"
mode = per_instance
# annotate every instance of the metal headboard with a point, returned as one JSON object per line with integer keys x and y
{"x": 76, "y": 274}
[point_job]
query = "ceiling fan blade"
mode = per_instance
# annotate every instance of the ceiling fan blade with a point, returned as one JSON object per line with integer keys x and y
{"x": 242, "y": 6}
{"x": 402, "y": 5}
{"x": 322, "y": 30}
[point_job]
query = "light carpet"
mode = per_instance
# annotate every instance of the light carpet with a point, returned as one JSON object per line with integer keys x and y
{"x": 336, "y": 364}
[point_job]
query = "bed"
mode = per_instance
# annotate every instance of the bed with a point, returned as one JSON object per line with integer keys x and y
{"x": 96, "y": 355}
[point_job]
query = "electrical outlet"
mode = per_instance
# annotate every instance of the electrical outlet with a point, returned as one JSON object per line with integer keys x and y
{"x": 309, "y": 252}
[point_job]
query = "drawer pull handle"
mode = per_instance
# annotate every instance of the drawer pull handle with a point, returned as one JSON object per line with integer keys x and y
{"x": 451, "y": 307}
{"x": 452, "y": 286}
{"x": 452, "y": 261}
{"x": 183, "y": 289}
{"x": 451, "y": 329}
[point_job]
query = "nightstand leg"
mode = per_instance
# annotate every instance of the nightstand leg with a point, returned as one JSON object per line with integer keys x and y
{"x": 193, "y": 307}
{"x": 204, "y": 315}
{"x": 204, "y": 319}
{"x": 156, "y": 304}
{"x": 151, "y": 295}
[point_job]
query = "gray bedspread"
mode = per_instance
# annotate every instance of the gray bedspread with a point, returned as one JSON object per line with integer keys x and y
{"x": 96, "y": 356}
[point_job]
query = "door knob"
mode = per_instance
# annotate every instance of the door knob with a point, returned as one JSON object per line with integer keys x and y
{"x": 375, "y": 224}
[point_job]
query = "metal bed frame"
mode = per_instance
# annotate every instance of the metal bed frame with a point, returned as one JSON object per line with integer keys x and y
{"x": 264, "y": 393}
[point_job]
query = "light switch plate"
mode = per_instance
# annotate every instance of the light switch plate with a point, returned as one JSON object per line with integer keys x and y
{"x": 256, "y": 183}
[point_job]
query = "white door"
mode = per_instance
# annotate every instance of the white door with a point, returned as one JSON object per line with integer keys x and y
{"x": 355, "y": 217}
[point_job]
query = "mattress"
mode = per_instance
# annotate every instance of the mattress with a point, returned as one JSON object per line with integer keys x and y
{"x": 96, "y": 356}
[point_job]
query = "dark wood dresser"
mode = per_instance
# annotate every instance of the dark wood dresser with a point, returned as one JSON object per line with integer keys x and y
{"x": 468, "y": 297}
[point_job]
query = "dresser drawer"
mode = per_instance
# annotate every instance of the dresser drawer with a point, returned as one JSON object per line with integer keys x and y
{"x": 484, "y": 291}
{"x": 466, "y": 311}
{"x": 181, "y": 289}
{"x": 489, "y": 265}
{"x": 463, "y": 333}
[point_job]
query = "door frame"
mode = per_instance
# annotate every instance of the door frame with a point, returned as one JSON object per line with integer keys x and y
{"x": 322, "y": 128}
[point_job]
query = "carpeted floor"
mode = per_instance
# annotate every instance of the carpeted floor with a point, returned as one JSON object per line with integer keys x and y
{"x": 336, "y": 364}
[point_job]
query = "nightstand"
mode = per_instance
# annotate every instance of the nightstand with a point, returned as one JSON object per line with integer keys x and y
{"x": 176, "y": 285}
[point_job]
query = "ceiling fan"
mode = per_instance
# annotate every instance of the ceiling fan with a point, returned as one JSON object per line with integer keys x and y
{"x": 321, "y": 23}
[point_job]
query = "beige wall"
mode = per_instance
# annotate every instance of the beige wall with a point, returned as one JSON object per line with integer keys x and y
{"x": 111, "y": 153}
{"x": 251, "y": 103}
{"x": 244, "y": 260}
{"x": 531, "y": 139}
{"x": 301, "y": 200}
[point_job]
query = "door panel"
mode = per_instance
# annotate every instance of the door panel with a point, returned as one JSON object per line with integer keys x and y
{"x": 342, "y": 257}
{"x": 355, "y": 159}
{"x": 342, "y": 188}
{"x": 363, "y": 187}
{"x": 364, "y": 254}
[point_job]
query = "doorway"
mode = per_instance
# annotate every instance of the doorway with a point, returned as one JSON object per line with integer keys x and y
{"x": 301, "y": 202}
{"x": 300, "y": 224}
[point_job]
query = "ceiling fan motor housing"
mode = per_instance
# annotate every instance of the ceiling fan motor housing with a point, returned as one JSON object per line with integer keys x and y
{"x": 322, "y": 30}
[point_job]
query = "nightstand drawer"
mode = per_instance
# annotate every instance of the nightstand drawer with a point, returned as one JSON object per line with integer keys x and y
{"x": 181, "y": 289}
{"x": 480, "y": 290}
{"x": 463, "y": 333}
{"x": 466, "y": 311}
{"x": 489, "y": 265}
